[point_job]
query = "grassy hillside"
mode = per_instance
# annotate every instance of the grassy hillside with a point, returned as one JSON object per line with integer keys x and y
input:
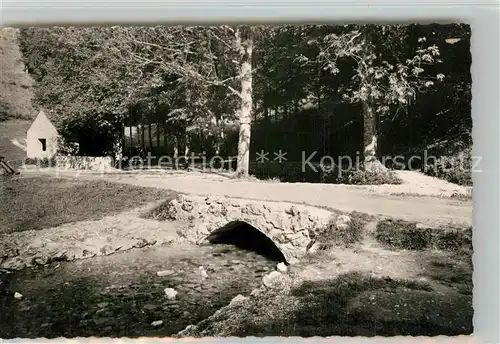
{"x": 16, "y": 94}
{"x": 13, "y": 129}
{"x": 16, "y": 91}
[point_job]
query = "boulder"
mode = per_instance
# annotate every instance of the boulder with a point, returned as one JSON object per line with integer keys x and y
{"x": 281, "y": 267}
{"x": 238, "y": 299}
{"x": 164, "y": 273}
{"x": 157, "y": 323}
{"x": 269, "y": 279}
{"x": 170, "y": 293}
{"x": 256, "y": 292}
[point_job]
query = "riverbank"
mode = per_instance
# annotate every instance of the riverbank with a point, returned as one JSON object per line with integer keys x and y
{"x": 361, "y": 290}
{"x": 120, "y": 295}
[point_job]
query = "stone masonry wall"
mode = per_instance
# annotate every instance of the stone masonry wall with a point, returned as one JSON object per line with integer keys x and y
{"x": 84, "y": 163}
{"x": 84, "y": 239}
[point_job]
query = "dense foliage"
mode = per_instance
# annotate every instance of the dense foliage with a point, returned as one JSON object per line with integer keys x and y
{"x": 334, "y": 90}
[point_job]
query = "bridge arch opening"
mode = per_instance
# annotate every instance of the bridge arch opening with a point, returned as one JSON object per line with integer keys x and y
{"x": 247, "y": 237}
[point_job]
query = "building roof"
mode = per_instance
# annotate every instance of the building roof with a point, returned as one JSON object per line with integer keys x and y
{"x": 42, "y": 117}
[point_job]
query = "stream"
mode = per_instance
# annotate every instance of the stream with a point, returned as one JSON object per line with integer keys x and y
{"x": 120, "y": 295}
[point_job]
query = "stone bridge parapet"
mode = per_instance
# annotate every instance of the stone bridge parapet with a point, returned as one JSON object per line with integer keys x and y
{"x": 290, "y": 226}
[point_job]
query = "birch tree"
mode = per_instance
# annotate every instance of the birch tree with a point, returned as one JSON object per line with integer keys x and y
{"x": 244, "y": 43}
{"x": 204, "y": 57}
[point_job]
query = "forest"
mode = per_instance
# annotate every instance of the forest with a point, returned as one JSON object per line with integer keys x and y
{"x": 234, "y": 91}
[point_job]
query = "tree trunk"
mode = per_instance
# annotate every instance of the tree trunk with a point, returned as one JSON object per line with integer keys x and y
{"x": 186, "y": 145}
{"x": 131, "y": 139}
{"x": 370, "y": 117}
{"x": 370, "y": 135}
{"x": 245, "y": 42}
{"x": 176, "y": 149}
{"x": 165, "y": 136}
{"x": 137, "y": 129}
{"x": 119, "y": 151}
{"x": 137, "y": 136}
{"x": 150, "y": 137}
{"x": 220, "y": 136}
{"x": 255, "y": 111}
{"x": 158, "y": 136}
{"x": 143, "y": 139}
{"x": 318, "y": 90}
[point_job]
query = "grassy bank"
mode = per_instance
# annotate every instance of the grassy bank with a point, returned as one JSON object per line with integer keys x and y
{"x": 43, "y": 202}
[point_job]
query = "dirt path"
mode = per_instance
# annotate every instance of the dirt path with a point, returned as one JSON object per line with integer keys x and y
{"x": 428, "y": 210}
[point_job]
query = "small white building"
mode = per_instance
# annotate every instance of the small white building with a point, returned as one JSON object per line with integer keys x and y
{"x": 41, "y": 138}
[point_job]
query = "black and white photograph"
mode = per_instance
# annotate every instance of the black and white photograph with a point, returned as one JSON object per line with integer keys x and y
{"x": 236, "y": 180}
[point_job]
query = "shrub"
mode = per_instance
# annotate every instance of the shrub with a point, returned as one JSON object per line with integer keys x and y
{"x": 252, "y": 178}
{"x": 289, "y": 171}
{"x": 361, "y": 175}
{"x": 453, "y": 239}
{"x": 67, "y": 148}
{"x": 292, "y": 171}
{"x": 454, "y": 169}
{"x": 401, "y": 234}
{"x": 343, "y": 230}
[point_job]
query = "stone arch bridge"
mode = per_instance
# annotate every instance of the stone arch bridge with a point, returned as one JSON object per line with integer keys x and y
{"x": 291, "y": 227}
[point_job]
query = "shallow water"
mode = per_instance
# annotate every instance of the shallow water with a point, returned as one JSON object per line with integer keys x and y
{"x": 120, "y": 295}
